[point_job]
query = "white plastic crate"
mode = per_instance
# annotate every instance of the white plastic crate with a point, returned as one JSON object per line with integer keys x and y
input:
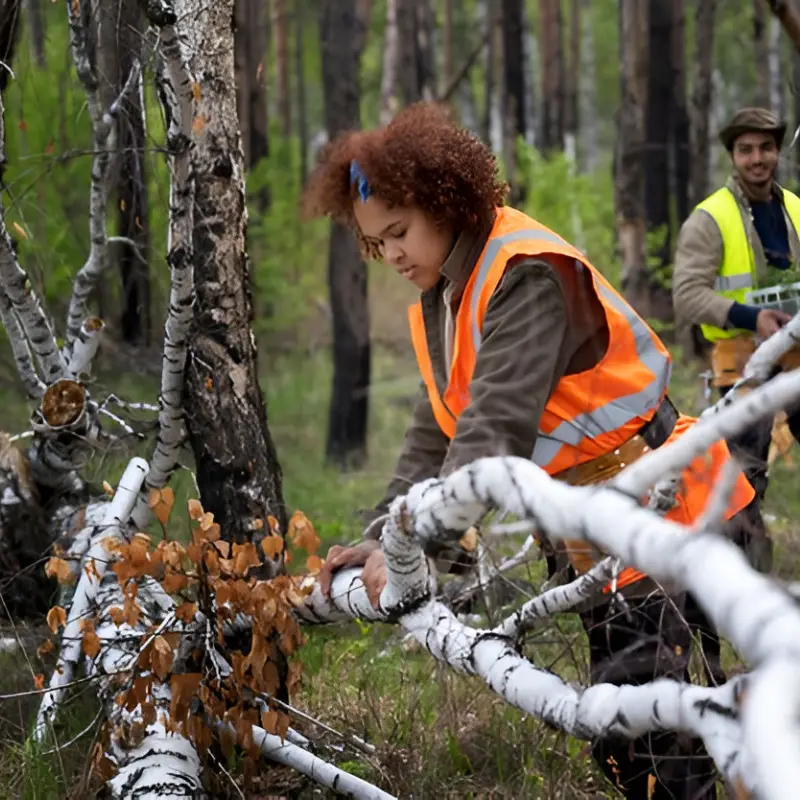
{"x": 783, "y": 297}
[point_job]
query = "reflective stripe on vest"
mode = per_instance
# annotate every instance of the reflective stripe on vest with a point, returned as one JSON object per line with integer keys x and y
{"x": 737, "y": 272}
{"x": 607, "y": 417}
{"x": 584, "y": 417}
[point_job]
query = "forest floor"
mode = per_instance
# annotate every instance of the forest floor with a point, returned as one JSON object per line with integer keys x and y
{"x": 438, "y": 734}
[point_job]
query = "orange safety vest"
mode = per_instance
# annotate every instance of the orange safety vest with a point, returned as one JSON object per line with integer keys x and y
{"x": 591, "y": 413}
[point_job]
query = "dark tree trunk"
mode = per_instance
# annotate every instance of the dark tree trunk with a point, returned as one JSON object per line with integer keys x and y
{"x": 132, "y": 221}
{"x": 10, "y": 14}
{"x": 493, "y": 11}
{"x": 680, "y": 152}
{"x": 550, "y": 36}
{"x": 249, "y": 64}
{"x": 629, "y": 174}
{"x": 571, "y": 81}
{"x": 37, "y": 31}
{"x": 761, "y": 45}
{"x": 284, "y": 89}
{"x": 659, "y": 123}
{"x": 238, "y": 473}
{"x": 701, "y": 99}
{"x": 347, "y": 275}
{"x": 302, "y": 122}
{"x": 513, "y": 92}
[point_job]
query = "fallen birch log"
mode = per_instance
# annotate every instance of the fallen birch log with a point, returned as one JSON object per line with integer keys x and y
{"x": 760, "y": 618}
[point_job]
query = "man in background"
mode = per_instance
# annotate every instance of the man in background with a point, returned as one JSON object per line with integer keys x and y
{"x": 742, "y": 237}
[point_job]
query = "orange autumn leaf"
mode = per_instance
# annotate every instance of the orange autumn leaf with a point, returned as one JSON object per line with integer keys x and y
{"x": 269, "y": 721}
{"x": 45, "y": 648}
{"x": 56, "y": 617}
{"x": 161, "y": 659}
{"x": 314, "y": 564}
{"x": 195, "y": 509}
{"x": 186, "y": 612}
{"x": 90, "y": 641}
{"x": 38, "y": 681}
{"x": 206, "y": 521}
{"x": 272, "y": 546}
{"x": 274, "y": 527}
{"x": 59, "y": 569}
{"x": 117, "y": 615}
{"x": 302, "y": 534}
{"x": 160, "y": 502}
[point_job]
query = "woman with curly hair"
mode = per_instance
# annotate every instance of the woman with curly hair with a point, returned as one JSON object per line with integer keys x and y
{"x": 525, "y": 349}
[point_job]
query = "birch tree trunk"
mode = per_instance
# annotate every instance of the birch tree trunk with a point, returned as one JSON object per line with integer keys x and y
{"x": 701, "y": 100}
{"x": 347, "y": 274}
{"x": 237, "y": 468}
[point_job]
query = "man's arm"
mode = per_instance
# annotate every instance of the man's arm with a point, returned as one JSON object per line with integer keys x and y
{"x": 520, "y": 361}
{"x": 697, "y": 261}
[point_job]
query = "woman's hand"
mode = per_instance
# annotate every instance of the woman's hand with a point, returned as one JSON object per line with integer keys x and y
{"x": 340, "y": 557}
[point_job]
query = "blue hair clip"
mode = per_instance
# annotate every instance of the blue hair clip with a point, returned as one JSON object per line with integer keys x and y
{"x": 360, "y": 179}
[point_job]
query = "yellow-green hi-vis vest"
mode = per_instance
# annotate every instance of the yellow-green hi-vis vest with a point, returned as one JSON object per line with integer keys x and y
{"x": 737, "y": 273}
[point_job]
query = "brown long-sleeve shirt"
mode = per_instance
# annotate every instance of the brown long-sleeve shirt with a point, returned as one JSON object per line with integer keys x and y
{"x": 542, "y": 322}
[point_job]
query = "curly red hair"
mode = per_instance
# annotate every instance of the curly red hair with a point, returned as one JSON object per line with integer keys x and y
{"x": 420, "y": 158}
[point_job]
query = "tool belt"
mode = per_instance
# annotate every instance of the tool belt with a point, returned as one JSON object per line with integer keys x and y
{"x": 581, "y": 555}
{"x": 729, "y": 357}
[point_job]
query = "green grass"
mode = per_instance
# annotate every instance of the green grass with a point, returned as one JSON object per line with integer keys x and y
{"x": 438, "y": 734}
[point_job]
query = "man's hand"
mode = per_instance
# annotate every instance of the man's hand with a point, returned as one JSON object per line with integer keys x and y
{"x": 340, "y": 557}
{"x": 770, "y": 321}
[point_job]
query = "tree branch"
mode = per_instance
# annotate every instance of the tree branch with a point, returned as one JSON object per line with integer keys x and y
{"x": 175, "y": 90}
{"x": 105, "y": 135}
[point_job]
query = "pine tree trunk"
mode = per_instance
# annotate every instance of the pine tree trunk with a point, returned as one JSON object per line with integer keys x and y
{"x": 391, "y": 63}
{"x": 249, "y": 63}
{"x": 679, "y": 151}
{"x": 237, "y": 468}
{"x": 300, "y": 78}
{"x": 37, "y": 31}
{"x": 284, "y": 90}
{"x": 588, "y": 91}
{"x": 630, "y": 157}
{"x": 550, "y": 43}
{"x": 659, "y": 122}
{"x": 513, "y": 92}
{"x": 492, "y": 11}
{"x": 761, "y": 53}
{"x": 347, "y": 274}
{"x": 571, "y": 82}
{"x": 701, "y": 100}
{"x": 133, "y": 217}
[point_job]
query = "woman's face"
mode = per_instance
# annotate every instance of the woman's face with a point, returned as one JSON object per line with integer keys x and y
{"x": 407, "y": 238}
